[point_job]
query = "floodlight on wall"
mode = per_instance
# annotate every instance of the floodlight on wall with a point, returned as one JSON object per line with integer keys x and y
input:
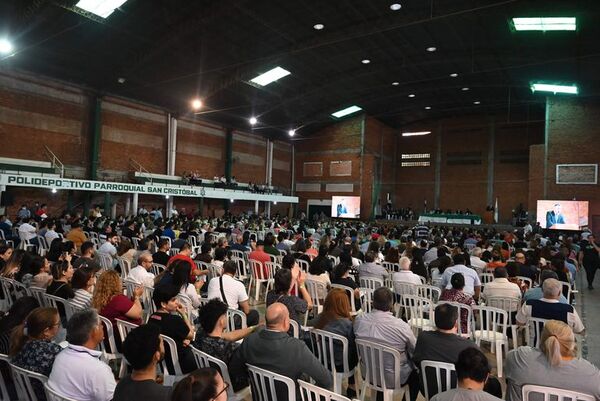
{"x": 545, "y": 24}
{"x": 5, "y": 46}
{"x": 252, "y": 120}
{"x": 554, "y": 88}
{"x": 196, "y": 104}
{"x": 420, "y": 133}
{"x": 53, "y": 190}
{"x": 346, "y": 111}
{"x": 270, "y": 76}
{"x": 292, "y": 132}
{"x": 101, "y": 8}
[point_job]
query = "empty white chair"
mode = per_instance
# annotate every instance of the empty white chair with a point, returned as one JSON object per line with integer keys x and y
{"x": 567, "y": 290}
{"x": 443, "y": 375}
{"x": 532, "y": 392}
{"x": 372, "y": 357}
{"x": 492, "y": 325}
{"x": 124, "y": 328}
{"x": 263, "y": 381}
{"x": 420, "y": 313}
{"x": 325, "y": 352}
{"x": 24, "y": 380}
{"x": 317, "y": 291}
{"x": 401, "y": 290}
{"x": 310, "y": 392}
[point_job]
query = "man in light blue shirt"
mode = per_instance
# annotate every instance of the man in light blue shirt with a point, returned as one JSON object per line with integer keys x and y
{"x": 537, "y": 293}
{"x": 472, "y": 282}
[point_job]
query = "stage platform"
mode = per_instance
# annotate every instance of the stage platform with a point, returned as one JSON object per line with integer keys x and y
{"x": 412, "y": 223}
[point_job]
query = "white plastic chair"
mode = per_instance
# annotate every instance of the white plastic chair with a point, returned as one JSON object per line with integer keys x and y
{"x": 4, "y": 363}
{"x": 325, "y": 351}
{"x": 554, "y": 394}
{"x": 372, "y": 356}
{"x": 242, "y": 273}
{"x": 418, "y": 308}
{"x": 569, "y": 290}
{"x": 263, "y": 381}
{"x": 235, "y": 253}
{"x": 38, "y": 293}
{"x": 317, "y": 291}
{"x": 430, "y": 292}
{"x": 492, "y": 323}
{"x": 42, "y": 245}
{"x": 53, "y": 302}
{"x": 463, "y": 309}
{"x": 334, "y": 259}
{"x": 366, "y": 299}
{"x": 526, "y": 280}
{"x": 157, "y": 268}
{"x": 511, "y": 305}
{"x": 350, "y": 293}
{"x": 23, "y": 380}
{"x": 485, "y": 278}
{"x": 310, "y": 392}
{"x": 440, "y": 368}
{"x": 231, "y": 317}
{"x": 259, "y": 276}
{"x": 204, "y": 360}
{"x": 105, "y": 261}
{"x": 171, "y": 351}
{"x": 371, "y": 283}
{"x": 113, "y": 353}
{"x": 303, "y": 264}
{"x": 391, "y": 267}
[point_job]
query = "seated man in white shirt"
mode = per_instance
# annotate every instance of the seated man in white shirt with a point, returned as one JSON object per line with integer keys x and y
{"x": 27, "y": 232}
{"x": 472, "y": 282}
{"x": 141, "y": 273}
{"x": 405, "y": 275}
{"x": 476, "y": 258}
{"x": 77, "y": 372}
{"x": 501, "y": 287}
{"x": 232, "y": 292}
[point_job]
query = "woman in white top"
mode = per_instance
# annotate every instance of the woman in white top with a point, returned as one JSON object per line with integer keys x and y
{"x": 188, "y": 293}
{"x": 318, "y": 274}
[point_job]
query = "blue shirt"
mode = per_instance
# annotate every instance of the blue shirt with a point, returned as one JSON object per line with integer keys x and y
{"x": 536, "y": 293}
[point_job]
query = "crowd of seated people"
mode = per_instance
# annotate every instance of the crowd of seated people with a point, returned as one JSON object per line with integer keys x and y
{"x": 193, "y": 269}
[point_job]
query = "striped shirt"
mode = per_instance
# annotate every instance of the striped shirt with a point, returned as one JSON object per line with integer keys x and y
{"x": 82, "y": 300}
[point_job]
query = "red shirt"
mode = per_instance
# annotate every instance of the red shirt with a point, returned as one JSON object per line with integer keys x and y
{"x": 117, "y": 307}
{"x": 181, "y": 256}
{"x": 262, "y": 257}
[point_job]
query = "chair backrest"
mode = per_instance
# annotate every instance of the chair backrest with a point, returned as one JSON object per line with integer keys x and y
{"x": 263, "y": 382}
{"x": 317, "y": 291}
{"x": 7, "y": 291}
{"x": 110, "y": 336}
{"x": 303, "y": 264}
{"x": 526, "y": 280}
{"x": 567, "y": 290}
{"x": 38, "y": 293}
{"x": 4, "y": 368}
{"x": 310, "y": 392}
{"x": 371, "y": 283}
{"x": 295, "y": 328}
{"x": 157, "y": 268}
{"x": 170, "y": 356}
{"x": 204, "y": 360}
{"x": 417, "y": 308}
{"x": 231, "y": 318}
{"x": 403, "y": 288}
{"x": 391, "y": 267}
{"x": 552, "y": 394}
{"x": 486, "y": 278}
{"x": 19, "y": 289}
{"x": 173, "y": 251}
{"x": 430, "y": 292}
{"x": 23, "y": 380}
{"x": 273, "y": 267}
{"x": 334, "y": 259}
{"x": 147, "y": 302}
{"x": 535, "y": 325}
{"x": 104, "y": 260}
{"x": 123, "y": 328}
{"x": 130, "y": 286}
{"x": 505, "y": 303}
{"x": 323, "y": 342}
{"x": 53, "y": 301}
{"x": 258, "y": 272}
{"x": 490, "y": 321}
{"x": 242, "y": 269}
{"x": 464, "y": 313}
{"x": 373, "y": 356}
{"x": 366, "y": 299}
{"x": 236, "y": 253}
{"x": 443, "y": 377}
{"x": 350, "y": 293}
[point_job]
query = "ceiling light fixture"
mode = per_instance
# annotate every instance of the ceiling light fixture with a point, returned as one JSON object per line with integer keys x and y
{"x": 318, "y": 27}
{"x": 465, "y": 89}
{"x": 5, "y": 46}
{"x": 196, "y": 104}
{"x": 53, "y": 190}
{"x": 395, "y": 83}
{"x": 411, "y": 95}
{"x": 431, "y": 49}
{"x": 427, "y": 107}
{"x": 476, "y": 102}
{"x": 274, "y": 202}
{"x": 252, "y": 120}
{"x": 121, "y": 80}
{"x": 102, "y": 8}
{"x": 545, "y": 24}
{"x": 346, "y": 111}
{"x": 454, "y": 75}
{"x": 366, "y": 61}
{"x": 416, "y": 133}
{"x": 395, "y": 6}
{"x": 166, "y": 196}
{"x": 554, "y": 88}
{"x": 292, "y": 132}
{"x": 231, "y": 200}
{"x": 270, "y": 76}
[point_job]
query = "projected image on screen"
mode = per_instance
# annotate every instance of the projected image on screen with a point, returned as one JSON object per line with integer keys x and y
{"x": 347, "y": 207}
{"x": 562, "y": 215}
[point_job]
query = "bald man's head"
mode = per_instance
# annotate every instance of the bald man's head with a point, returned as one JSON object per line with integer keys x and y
{"x": 277, "y": 317}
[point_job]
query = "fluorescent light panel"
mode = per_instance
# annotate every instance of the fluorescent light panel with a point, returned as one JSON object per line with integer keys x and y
{"x": 544, "y": 87}
{"x": 346, "y": 111}
{"x": 416, "y": 133}
{"x": 270, "y": 76}
{"x": 545, "y": 24}
{"x": 102, "y": 8}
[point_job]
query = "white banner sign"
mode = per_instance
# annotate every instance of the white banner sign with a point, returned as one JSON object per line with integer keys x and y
{"x": 155, "y": 189}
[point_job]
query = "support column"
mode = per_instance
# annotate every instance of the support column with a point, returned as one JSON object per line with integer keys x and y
{"x": 113, "y": 211}
{"x": 228, "y": 153}
{"x": 546, "y": 136}
{"x": 134, "y": 204}
{"x": 171, "y": 157}
{"x": 96, "y": 132}
{"x": 128, "y": 206}
{"x": 256, "y": 207}
{"x": 491, "y": 161}
{"x": 2, "y": 189}
{"x": 69, "y": 200}
{"x": 106, "y": 203}
{"x": 169, "y": 207}
{"x": 438, "y": 168}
